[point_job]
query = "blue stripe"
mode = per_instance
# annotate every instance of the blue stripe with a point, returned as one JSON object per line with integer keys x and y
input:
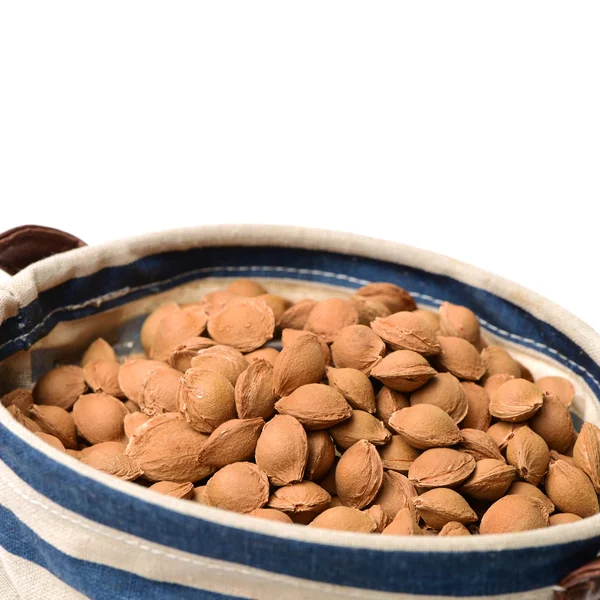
{"x": 96, "y": 581}
{"x": 458, "y": 574}
{"x": 164, "y": 271}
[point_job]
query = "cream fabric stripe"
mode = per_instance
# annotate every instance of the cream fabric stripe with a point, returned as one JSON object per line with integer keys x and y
{"x": 585, "y": 529}
{"x": 21, "y": 579}
{"x": 87, "y": 540}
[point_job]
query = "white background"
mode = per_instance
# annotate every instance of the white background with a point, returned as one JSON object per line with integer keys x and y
{"x": 469, "y": 128}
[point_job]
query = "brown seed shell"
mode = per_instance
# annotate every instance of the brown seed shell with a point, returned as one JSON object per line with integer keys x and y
{"x": 381, "y": 518}
{"x": 316, "y": 406}
{"x": 559, "y": 386}
{"x": 514, "y": 513}
{"x": 355, "y": 386}
{"x": 213, "y": 302}
{"x": 407, "y": 331}
{"x": 489, "y": 481}
{"x": 453, "y": 528}
{"x": 328, "y": 481}
{"x": 568, "y": 459}
{"x": 498, "y": 361}
{"x": 244, "y": 323}
{"x": 344, "y": 518}
{"x": 335, "y": 501}
{"x": 529, "y": 453}
{"x": 109, "y": 457}
{"x": 241, "y": 487}
{"x": 232, "y": 441}
{"x": 123, "y": 467}
{"x": 553, "y": 423}
{"x": 443, "y": 390}
{"x": 178, "y": 326}
{"x": 101, "y": 452}
{"x": 20, "y": 398}
{"x": 395, "y": 494}
{"x": 57, "y": 422}
{"x": 50, "y": 439}
{"x": 206, "y": 399}
{"x": 132, "y": 421}
{"x": 369, "y": 310}
{"x": 442, "y": 505}
{"x": 460, "y": 358}
{"x": 296, "y": 315}
{"x": 398, "y": 455}
{"x": 224, "y": 360}
{"x": 290, "y": 336}
{"x": 181, "y": 356}
{"x": 432, "y": 318}
{"x": 278, "y": 304}
{"x": 321, "y": 455}
{"x": 586, "y": 453}
{"x": 404, "y": 523}
{"x": 478, "y": 407}
{"x": 503, "y": 432}
{"x": 254, "y": 395}
{"x": 271, "y": 515}
{"x": 522, "y": 488}
{"x": 357, "y": 347}
{"x": 103, "y": 376}
{"x": 303, "y": 497}
{"x": 99, "y": 418}
{"x": 185, "y": 491}
{"x": 525, "y": 372}
{"x": 459, "y": 321}
{"x": 298, "y": 364}
{"x": 516, "y": 401}
{"x": 23, "y": 420}
{"x": 99, "y": 349}
{"x": 266, "y": 353}
{"x": 132, "y": 375}
{"x": 131, "y": 406}
{"x": 570, "y": 489}
{"x": 199, "y": 495}
{"x": 360, "y": 426}
{"x": 479, "y": 445}
{"x": 328, "y": 317}
{"x": 394, "y": 297}
{"x": 387, "y": 402}
{"x": 441, "y": 467}
{"x": 563, "y": 518}
{"x": 493, "y": 383}
{"x": 159, "y": 391}
{"x": 403, "y": 371}
{"x": 282, "y": 450}
{"x": 425, "y": 426}
{"x": 359, "y": 475}
{"x": 60, "y": 386}
{"x": 166, "y": 449}
{"x": 152, "y": 322}
{"x": 246, "y": 287}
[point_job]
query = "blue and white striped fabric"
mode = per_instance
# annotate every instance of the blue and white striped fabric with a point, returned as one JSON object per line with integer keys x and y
{"x": 68, "y": 531}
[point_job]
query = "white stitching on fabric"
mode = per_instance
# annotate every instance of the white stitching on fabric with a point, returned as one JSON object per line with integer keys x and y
{"x": 240, "y": 570}
{"x": 328, "y": 274}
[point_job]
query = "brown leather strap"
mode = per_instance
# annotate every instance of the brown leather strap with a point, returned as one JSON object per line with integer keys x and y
{"x": 21, "y": 246}
{"x": 582, "y": 584}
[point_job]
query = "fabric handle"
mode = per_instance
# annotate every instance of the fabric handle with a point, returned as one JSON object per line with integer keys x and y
{"x": 582, "y": 584}
{"x": 22, "y": 246}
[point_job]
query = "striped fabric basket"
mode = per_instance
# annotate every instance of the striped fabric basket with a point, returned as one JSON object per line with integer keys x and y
{"x": 69, "y": 531}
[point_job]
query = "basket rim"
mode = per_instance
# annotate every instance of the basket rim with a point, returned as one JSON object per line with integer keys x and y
{"x": 82, "y": 261}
